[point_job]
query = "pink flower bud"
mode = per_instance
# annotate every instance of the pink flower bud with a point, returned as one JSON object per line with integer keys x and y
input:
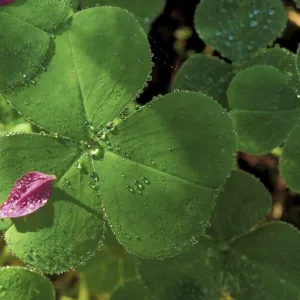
{"x": 5, "y": 2}
{"x": 27, "y": 195}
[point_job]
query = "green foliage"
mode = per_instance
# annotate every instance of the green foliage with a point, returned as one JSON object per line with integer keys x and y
{"x": 278, "y": 107}
{"x": 238, "y": 260}
{"x": 205, "y": 74}
{"x": 145, "y": 13}
{"x": 182, "y": 223}
{"x": 23, "y": 284}
{"x": 238, "y": 28}
{"x": 88, "y": 154}
{"x": 25, "y": 40}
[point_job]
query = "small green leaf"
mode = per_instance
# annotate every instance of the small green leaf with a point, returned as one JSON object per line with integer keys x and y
{"x": 85, "y": 81}
{"x": 24, "y": 284}
{"x": 279, "y": 58}
{"x": 261, "y": 265}
{"x": 46, "y": 15}
{"x": 165, "y": 167}
{"x": 195, "y": 274}
{"x": 206, "y": 74}
{"x": 145, "y": 13}
{"x": 102, "y": 272}
{"x": 22, "y": 51}
{"x": 254, "y": 100}
{"x": 238, "y": 28}
{"x": 241, "y": 204}
{"x": 131, "y": 290}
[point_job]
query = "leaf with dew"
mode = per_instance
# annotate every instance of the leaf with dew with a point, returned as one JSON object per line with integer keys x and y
{"x": 27, "y": 195}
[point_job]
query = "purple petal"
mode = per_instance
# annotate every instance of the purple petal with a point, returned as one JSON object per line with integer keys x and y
{"x": 27, "y": 195}
{"x": 5, "y": 2}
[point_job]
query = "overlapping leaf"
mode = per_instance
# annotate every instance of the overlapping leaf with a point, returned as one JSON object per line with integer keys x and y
{"x": 206, "y": 74}
{"x": 24, "y": 284}
{"x": 101, "y": 61}
{"x": 264, "y": 111}
{"x": 145, "y": 13}
{"x": 230, "y": 264}
{"x": 238, "y": 28}
{"x": 25, "y": 39}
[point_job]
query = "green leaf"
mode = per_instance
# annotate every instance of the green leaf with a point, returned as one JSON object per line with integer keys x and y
{"x": 86, "y": 81}
{"x": 262, "y": 264}
{"x": 25, "y": 39}
{"x": 241, "y": 204}
{"x": 24, "y": 284}
{"x": 109, "y": 267}
{"x": 102, "y": 272}
{"x": 290, "y": 160}
{"x": 131, "y": 290}
{"x": 254, "y": 100}
{"x": 165, "y": 167}
{"x": 145, "y": 13}
{"x": 279, "y": 58}
{"x": 238, "y": 28}
{"x": 46, "y": 15}
{"x": 69, "y": 227}
{"x": 206, "y": 74}
{"x": 251, "y": 266}
{"x": 196, "y": 274}
{"x": 22, "y": 51}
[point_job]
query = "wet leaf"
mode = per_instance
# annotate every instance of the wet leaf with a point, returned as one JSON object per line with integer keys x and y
{"x": 27, "y": 195}
{"x": 239, "y": 28}
{"x": 24, "y": 284}
{"x": 254, "y": 100}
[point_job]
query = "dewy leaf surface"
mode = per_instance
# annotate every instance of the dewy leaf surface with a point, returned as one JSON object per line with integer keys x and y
{"x": 98, "y": 67}
{"x": 167, "y": 161}
{"x": 145, "y": 13}
{"x": 254, "y": 100}
{"x": 257, "y": 266}
{"x": 46, "y": 15}
{"x": 205, "y": 74}
{"x": 62, "y": 233}
{"x": 238, "y": 28}
{"x": 22, "y": 50}
{"x": 241, "y": 204}
{"x": 24, "y": 284}
{"x": 279, "y": 58}
{"x": 28, "y": 194}
{"x": 25, "y": 39}
{"x": 250, "y": 266}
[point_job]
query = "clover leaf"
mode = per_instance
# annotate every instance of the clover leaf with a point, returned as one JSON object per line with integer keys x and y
{"x": 102, "y": 161}
{"x": 145, "y": 13}
{"x": 24, "y": 284}
{"x": 253, "y": 100}
{"x": 25, "y": 38}
{"x": 238, "y": 259}
{"x": 238, "y": 28}
{"x": 205, "y": 74}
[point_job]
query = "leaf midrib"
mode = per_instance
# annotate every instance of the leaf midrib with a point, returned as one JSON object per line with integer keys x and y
{"x": 164, "y": 173}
